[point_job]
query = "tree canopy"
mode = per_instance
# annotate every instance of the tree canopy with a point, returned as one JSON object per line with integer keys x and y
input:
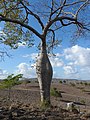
{"x": 49, "y": 15}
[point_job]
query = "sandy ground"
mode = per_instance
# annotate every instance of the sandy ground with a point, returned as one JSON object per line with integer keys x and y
{"x": 25, "y": 99}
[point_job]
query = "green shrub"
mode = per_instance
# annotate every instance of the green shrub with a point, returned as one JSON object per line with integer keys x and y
{"x": 54, "y": 92}
{"x": 44, "y": 105}
{"x": 81, "y": 82}
{"x": 83, "y": 101}
{"x": 64, "y": 81}
{"x": 85, "y": 83}
{"x": 60, "y": 81}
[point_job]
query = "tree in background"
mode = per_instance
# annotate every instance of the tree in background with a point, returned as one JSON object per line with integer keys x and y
{"x": 9, "y": 82}
{"x": 50, "y": 16}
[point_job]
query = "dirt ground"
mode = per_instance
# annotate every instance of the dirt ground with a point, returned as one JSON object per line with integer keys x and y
{"x": 25, "y": 102}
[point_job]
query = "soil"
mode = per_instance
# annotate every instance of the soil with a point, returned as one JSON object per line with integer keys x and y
{"x": 24, "y": 102}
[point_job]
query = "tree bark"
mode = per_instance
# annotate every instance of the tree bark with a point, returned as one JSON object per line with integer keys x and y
{"x": 44, "y": 74}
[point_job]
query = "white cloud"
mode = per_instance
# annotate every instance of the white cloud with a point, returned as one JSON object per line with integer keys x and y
{"x": 79, "y": 55}
{"x": 3, "y": 74}
{"x": 77, "y": 61}
{"x": 26, "y": 56}
{"x": 70, "y": 70}
{"x": 74, "y": 62}
{"x": 26, "y": 70}
{"x": 56, "y": 62}
{"x": 33, "y": 56}
{"x": 22, "y": 44}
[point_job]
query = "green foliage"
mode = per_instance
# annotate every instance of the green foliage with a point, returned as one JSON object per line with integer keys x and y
{"x": 83, "y": 101}
{"x": 81, "y": 82}
{"x": 14, "y": 33}
{"x": 60, "y": 81}
{"x": 10, "y": 81}
{"x": 11, "y": 9}
{"x": 44, "y": 105}
{"x": 64, "y": 81}
{"x": 54, "y": 92}
{"x": 85, "y": 83}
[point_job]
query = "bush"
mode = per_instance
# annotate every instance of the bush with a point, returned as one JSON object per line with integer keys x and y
{"x": 64, "y": 81}
{"x": 44, "y": 105}
{"x": 83, "y": 101}
{"x": 60, "y": 81}
{"x": 85, "y": 83}
{"x": 81, "y": 82}
{"x": 54, "y": 92}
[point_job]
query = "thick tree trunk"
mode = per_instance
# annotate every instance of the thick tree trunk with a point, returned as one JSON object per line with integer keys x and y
{"x": 44, "y": 74}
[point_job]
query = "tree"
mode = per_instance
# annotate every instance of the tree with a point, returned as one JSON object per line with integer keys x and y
{"x": 50, "y": 16}
{"x": 9, "y": 82}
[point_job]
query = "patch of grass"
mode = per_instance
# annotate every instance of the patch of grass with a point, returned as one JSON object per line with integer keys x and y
{"x": 44, "y": 105}
{"x": 54, "y": 92}
{"x": 82, "y": 101}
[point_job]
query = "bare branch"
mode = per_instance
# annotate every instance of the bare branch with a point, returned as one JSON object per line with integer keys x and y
{"x": 69, "y": 13}
{"x": 53, "y": 35}
{"x": 63, "y": 4}
{"x": 58, "y": 19}
{"x": 61, "y": 18}
{"x": 60, "y": 8}
{"x": 67, "y": 23}
{"x": 35, "y": 15}
{"x": 51, "y": 12}
{"x": 83, "y": 5}
{"x": 58, "y": 28}
{"x": 4, "y": 53}
{"x": 83, "y": 26}
{"x": 73, "y": 3}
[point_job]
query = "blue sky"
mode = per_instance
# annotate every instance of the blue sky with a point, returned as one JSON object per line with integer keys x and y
{"x": 71, "y": 61}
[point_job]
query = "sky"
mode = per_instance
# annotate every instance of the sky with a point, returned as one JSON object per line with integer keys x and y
{"x": 71, "y": 61}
